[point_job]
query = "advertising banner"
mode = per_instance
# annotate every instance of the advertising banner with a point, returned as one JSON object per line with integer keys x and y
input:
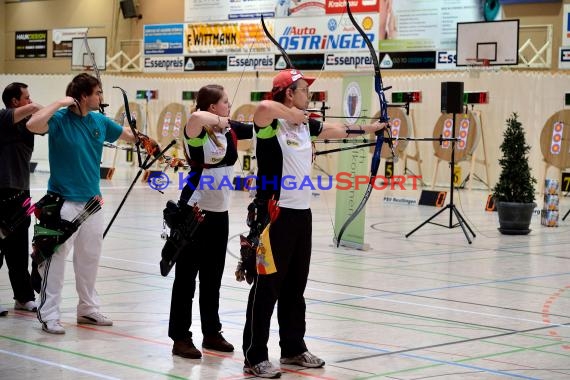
{"x": 62, "y": 40}
{"x": 348, "y": 61}
{"x": 31, "y": 44}
{"x": 408, "y": 60}
{"x": 356, "y": 6}
{"x": 254, "y": 62}
{"x": 218, "y": 10}
{"x": 356, "y": 101}
{"x": 564, "y": 59}
{"x": 227, "y": 37}
{"x": 325, "y": 33}
{"x": 165, "y": 64}
{"x": 206, "y": 63}
{"x": 163, "y": 39}
{"x": 411, "y": 25}
{"x": 317, "y": 30}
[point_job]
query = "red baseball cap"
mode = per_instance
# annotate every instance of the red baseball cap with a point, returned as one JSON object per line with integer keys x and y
{"x": 287, "y": 77}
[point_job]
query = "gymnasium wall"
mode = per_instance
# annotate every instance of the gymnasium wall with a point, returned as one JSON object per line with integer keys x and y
{"x": 534, "y": 95}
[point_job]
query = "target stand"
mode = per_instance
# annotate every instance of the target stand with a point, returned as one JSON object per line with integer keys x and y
{"x": 554, "y": 145}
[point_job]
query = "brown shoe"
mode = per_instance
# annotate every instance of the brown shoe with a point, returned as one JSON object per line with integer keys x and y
{"x": 217, "y": 342}
{"x": 186, "y": 349}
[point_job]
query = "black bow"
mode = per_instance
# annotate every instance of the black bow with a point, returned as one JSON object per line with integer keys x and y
{"x": 379, "y": 88}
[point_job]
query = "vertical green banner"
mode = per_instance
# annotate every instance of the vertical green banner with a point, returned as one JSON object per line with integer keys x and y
{"x": 356, "y": 96}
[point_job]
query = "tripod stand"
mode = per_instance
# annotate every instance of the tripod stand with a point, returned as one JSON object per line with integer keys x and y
{"x": 452, "y": 209}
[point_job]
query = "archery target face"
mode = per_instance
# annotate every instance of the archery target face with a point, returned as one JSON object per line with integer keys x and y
{"x": 171, "y": 123}
{"x": 467, "y": 130}
{"x": 401, "y": 125}
{"x": 554, "y": 139}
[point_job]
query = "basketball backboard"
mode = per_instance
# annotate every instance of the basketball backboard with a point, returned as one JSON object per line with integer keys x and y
{"x": 495, "y": 42}
{"x": 80, "y": 59}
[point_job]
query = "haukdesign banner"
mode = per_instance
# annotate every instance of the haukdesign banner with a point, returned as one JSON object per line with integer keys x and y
{"x": 31, "y": 44}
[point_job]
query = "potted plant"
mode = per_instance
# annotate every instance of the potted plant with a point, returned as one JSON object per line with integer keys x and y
{"x": 514, "y": 193}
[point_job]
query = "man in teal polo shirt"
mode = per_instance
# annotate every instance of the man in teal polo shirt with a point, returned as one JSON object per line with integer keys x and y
{"x": 76, "y": 137}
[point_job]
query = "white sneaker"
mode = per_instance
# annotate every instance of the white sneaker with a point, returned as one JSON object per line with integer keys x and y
{"x": 306, "y": 359}
{"x": 264, "y": 369}
{"x": 3, "y": 312}
{"x": 95, "y": 318}
{"x": 53, "y": 327}
{"x": 27, "y": 306}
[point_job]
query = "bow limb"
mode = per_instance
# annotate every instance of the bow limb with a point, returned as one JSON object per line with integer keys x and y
{"x": 378, "y": 85}
{"x": 379, "y": 89}
{"x": 132, "y": 122}
{"x": 149, "y": 145}
{"x": 274, "y": 41}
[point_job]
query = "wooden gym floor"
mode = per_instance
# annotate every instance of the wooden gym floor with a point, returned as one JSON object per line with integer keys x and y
{"x": 427, "y": 306}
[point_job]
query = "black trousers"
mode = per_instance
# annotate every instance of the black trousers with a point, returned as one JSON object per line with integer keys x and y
{"x": 15, "y": 248}
{"x": 205, "y": 256}
{"x": 290, "y": 237}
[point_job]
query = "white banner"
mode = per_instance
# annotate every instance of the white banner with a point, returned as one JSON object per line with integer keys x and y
{"x": 164, "y": 64}
{"x": 446, "y": 60}
{"x": 414, "y": 25}
{"x": 216, "y": 10}
{"x": 256, "y": 62}
{"x": 348, "y": 61}
{"x": 60, "y": 35}
{"x": 62, "y": 40}
{"x": 564, "y": 58}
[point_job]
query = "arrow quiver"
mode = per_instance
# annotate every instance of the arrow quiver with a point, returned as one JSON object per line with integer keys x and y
{"x": 183, "y": 221}
{"x": 50, "y": 231}
{"x": 14, "y": 211}
{"x": 257, "y": 219}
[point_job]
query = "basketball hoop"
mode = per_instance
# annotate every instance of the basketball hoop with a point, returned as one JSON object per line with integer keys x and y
{"x": 475, "y": 66}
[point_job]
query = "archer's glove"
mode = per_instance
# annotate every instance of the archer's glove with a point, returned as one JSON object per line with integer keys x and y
{"x": 246, "y": 265}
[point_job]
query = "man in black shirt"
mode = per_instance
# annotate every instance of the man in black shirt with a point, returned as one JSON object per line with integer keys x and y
{"x": 16, "y": 146}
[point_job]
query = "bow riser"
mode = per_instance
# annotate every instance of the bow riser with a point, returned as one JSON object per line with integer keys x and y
{"x": 375, "y": 165}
